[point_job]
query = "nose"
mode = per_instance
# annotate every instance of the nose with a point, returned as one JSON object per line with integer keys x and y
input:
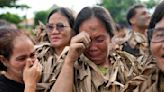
{"x": 55, "y": 31}
{"x": 148, "y": 15}
{"x": 30, "y": 60}
{"x": 92, "y": 46}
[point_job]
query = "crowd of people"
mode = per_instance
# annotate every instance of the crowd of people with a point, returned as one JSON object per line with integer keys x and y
{"x": 85, "y": 52}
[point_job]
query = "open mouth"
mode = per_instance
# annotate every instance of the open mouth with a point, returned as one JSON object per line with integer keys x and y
{"x": 162, "y": 56}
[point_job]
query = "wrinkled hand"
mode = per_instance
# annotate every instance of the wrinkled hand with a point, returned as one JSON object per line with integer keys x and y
{"x": 78, "y": 44}
{"x": 32, "y": 74}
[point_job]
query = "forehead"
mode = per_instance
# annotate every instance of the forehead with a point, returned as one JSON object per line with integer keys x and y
{"x": 57, "y": 17}
{"x": 23, "y": 44}
{"x": 140, "y": 10}
{"x": 93, "y": 26}
{"x": 160, "y": 24}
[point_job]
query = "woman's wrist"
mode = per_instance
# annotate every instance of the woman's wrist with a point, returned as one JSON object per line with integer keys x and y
{"x": 30, "y": 87}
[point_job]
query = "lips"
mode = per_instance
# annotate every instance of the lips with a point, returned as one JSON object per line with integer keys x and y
{"x": 55, "y": 39}
{"x": 93, "y": 53}
{"x": 94, "y": 56}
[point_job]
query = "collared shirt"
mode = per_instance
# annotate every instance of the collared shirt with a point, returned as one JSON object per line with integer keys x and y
{"x": 151, "y": 79}
{"x": 51, "y": 67}
{"x": 88, "y": 77}
{"x": 134, "y": 43}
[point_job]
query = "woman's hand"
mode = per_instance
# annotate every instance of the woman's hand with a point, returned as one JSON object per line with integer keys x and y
{"x": 32, "y": 74}
{"x": 78, "y": 44}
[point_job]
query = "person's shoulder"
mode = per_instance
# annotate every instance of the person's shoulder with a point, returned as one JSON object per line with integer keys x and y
{"x": 3, "y": 80}
{"x": 3, "y": 84}
{"x": 128, "y": 35}
{"x": 41, "y": 45}
{"x": 7, "y": 85}
{"x": 145, "y": 82}
{"x": 125, "y": 55}
{"x": 42, "y": 48}
{"x": 125, "y": 59}
{"x": 2, "y": 77}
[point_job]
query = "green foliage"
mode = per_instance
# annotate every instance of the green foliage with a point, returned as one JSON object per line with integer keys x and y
{"x": 4, "y": 3}
{"x": 13, "y": 18}
{"x": 151, "y": 3}
{"x": 40, "y": 16}
{"x": 118, "y": 8}
{"x": 11, "y": 3}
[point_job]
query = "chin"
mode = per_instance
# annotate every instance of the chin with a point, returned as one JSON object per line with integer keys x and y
{"x": 56, "y": 44}
{"x": 96, "y": 61}
{"x": 160, "y": 64}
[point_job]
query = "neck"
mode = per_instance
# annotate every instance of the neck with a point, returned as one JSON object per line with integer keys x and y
{"x": 139, "y": 30}
{"x": 14, "y": 77}
{"x": 58, "y": 51}
{"x": 106, "y": 64}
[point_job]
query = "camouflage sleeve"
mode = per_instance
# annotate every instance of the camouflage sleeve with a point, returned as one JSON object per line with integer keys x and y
{"x": 146, "y": 80}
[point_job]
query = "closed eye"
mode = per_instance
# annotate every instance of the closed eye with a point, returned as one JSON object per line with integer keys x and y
{"x": 100, "y": 39}
{"x": 21, "y": 58}
{"x": 50, "y": 26}
{"x": 60, "y": 25}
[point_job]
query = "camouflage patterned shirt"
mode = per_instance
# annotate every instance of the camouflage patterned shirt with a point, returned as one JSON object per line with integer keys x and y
{"x": 150, "y": 80}
{"x": 87, "y": 76}
{"x": 133, "y": 42}
{"x": 51, "y": 65}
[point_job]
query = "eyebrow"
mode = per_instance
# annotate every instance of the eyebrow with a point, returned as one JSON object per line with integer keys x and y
{"x": 25, "y": 55}
{"x": 21, "y": 56}
{"x": 101, "y": 36}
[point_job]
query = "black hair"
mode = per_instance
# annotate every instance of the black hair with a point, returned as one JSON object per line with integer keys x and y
{"x": 7, "y": 36}
{"x": 68, "y": 13}
{"x": 132, "y": 12}
{"x": 156, "y": 17}
{"x": 99, "y": 12}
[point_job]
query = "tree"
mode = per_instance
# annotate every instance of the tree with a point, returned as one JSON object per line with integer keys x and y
{"x": 40, "y": 16}
{"x": 11, "y": 3}
{"x": 11, "y": 18}
{"x": 118, "y": 8}
{"x": 151, "y": 3}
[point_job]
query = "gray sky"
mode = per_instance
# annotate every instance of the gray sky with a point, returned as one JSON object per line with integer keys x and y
{"x": 37, "y": 5}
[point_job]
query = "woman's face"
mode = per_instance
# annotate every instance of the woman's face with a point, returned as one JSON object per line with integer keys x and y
{"x": 23, "y": 52}
{"x": 98, "y": 48}
{"x": 59, "y": 31}
{"x": 157, "y": 44}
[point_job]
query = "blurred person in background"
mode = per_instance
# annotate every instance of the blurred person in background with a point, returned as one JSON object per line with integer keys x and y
{"x": 152, "y": 77}
{"x": 4, "y": 23}
{"x": 138, "y": 18}
{"x": 119, "y": 35}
